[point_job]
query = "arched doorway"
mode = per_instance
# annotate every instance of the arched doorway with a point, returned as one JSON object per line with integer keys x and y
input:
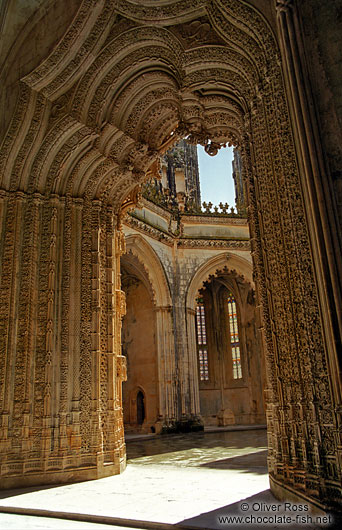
{"x": 139, "y": 347}
{"x": 147, "y": 336}
{"x": 123, "y": 83}
{"x": 140, "y": 407}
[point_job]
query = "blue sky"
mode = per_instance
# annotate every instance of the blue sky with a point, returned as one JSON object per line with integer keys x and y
{"x": 216, "y": 176}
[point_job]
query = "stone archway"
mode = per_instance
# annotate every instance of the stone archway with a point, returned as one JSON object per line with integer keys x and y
{"x": 223, "y": 399}
{"x": 234, "y": 262}
{"x": 153, "y": 358}
{"x": 125, "y": 82}
{"x": 139, "y": 346}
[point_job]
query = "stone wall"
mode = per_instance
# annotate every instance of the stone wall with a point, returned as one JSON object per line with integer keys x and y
{"x": 140, "y": 351}
{"x": 181, "y": 257}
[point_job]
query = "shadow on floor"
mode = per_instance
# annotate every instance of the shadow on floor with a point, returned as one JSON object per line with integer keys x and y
{"x": 4, "y": 494}
{"x": 262, "y": 510}
{"x": 248, "y": 514}
{"x": 251, "y": 463}
{"x": 255, "y": 439}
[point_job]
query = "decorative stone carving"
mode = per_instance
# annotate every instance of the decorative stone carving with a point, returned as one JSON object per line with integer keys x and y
{"x": 120, "y": 303}
{"x": 121, "y": 367}
{"x": 98, "y": 147}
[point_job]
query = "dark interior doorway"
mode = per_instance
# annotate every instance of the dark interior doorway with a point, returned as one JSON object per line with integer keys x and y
{"x": 140, "y": 408}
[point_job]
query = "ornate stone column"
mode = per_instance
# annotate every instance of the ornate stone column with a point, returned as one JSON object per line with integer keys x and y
{"x": 60, "y": 320}
{"x": 316, "y": 187}
{"x": 186, "y": 366}
{"x": 193, "y": 368}
{"x": 304, "y": 413}
{"x": 117, "y": 377}
{"x": 166, "y": 368}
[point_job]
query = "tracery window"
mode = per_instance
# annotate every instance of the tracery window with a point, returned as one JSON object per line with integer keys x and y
{"x": 202, "y": 346}
{"x": 234, "y": 337}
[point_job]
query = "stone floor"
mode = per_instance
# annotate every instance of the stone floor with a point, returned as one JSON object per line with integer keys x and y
{"x": 188, "y": 480}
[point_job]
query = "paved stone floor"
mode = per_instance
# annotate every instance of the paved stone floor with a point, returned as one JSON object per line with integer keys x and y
{"x": 189, "y": 480}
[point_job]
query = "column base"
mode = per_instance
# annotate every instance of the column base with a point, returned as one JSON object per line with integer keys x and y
{"x": 192, "y": 424}
{"x": 287, "y": 494}
{"x": 65, "y": 476}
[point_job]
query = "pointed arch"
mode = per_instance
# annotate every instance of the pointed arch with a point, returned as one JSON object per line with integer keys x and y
{"x": 150, "y": 270}
{"x": 232, "y": 262}
{"x": 139, "y": 247}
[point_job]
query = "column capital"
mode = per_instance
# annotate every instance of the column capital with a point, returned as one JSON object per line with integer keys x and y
{"x": 96, "y": 204}
{"x": 163, "y": 308}
{"x": 284, "y": 5}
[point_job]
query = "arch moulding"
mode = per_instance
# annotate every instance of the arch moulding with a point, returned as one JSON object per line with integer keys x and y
{"x": 139, "y": 247}
{"x": 232, "y": 262}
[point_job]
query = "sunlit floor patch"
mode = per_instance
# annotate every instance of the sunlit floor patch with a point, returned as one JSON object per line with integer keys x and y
{"x": 168, "y": 479}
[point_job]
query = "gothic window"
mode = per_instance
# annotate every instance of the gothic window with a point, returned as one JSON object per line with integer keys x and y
{"x": 234, "y": 337}
{"x": 202, "y": 347}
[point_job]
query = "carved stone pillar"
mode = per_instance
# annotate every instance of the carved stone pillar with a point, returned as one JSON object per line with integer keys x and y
{"x": 193, "y": 368}
{"x": 186, "y": 368}
{"x": 326, "y": 251}
{"x": 166, "y": 368}
{"x": 121, "y": 368}
{"x": 316, "y": 186}
{"x": 49, "y": 341}
{"x": 113, "y": 364}
{"x": 96, "y": 440}
{"x": 74, "y": 323}
{"x": 60, "y": 319}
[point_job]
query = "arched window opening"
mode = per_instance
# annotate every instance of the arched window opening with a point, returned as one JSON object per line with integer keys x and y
{"x": 234, "y": 337}
{"x": 202, "y": 347}
{"x": 140, "y": 408}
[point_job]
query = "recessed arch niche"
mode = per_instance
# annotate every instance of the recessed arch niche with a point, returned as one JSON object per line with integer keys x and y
{"x": 147, "y": 337}
{"x": 139, "y": 347}
{"x": 225, "y": 400}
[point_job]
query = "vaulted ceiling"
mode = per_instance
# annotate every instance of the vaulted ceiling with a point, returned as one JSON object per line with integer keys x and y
{"x": 126, "y": 81}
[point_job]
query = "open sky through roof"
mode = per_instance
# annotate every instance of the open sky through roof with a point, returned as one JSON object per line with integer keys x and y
{"x": 216, "y": 176}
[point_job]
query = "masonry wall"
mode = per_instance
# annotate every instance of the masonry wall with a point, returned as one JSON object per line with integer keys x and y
{"x": 195, "y": 401}
{"x": 139, "y": 348}
{"x": 225, "y": 400}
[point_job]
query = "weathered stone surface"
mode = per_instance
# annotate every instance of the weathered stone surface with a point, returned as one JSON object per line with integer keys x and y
{"x": 124, "y": 82}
